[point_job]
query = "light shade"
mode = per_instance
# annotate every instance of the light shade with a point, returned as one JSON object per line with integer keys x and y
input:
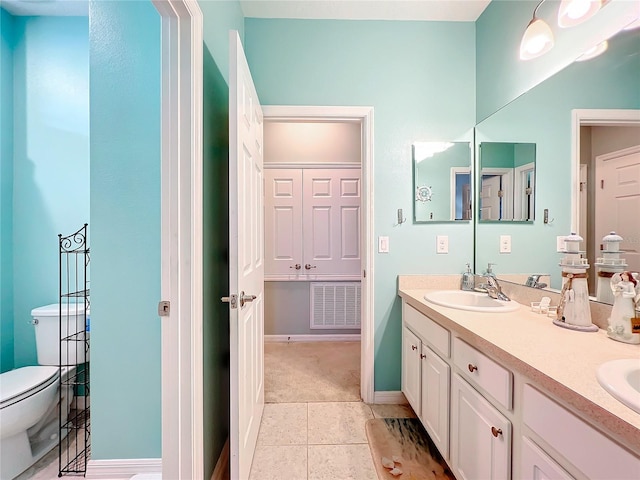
{"x": 537, "y": 39}
{"x": 573, "y": 12}
{"x": 593, "y": 52}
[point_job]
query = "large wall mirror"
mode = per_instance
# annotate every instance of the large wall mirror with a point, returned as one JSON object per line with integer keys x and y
{"x": 507, "y": 181}
{"x": 545, "y": 119}
{"x": 442, "y": 181}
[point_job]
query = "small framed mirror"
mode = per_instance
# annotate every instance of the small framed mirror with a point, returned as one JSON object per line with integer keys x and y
{"x": 507, "y": 178}
{"x": 442, "y": 181}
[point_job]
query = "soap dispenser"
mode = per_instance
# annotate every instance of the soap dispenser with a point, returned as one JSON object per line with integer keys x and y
{"x": 468, "y": 280}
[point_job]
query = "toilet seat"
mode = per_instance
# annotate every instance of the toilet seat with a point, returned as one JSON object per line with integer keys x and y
{"x": 21, "y": 383}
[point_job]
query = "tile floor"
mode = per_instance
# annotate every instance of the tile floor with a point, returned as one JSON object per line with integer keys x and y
{"x": 318, "y": 441}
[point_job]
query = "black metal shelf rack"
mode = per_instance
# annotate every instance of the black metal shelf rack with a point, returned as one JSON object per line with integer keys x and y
{"x": 74, "y": 447}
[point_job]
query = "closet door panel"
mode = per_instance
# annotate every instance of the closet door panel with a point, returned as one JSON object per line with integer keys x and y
{"x": 331, "y": 212}
{"x": 283, "y": 223}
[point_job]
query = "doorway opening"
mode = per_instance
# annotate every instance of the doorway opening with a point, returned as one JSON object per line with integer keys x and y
{"x": 304, "y": 276}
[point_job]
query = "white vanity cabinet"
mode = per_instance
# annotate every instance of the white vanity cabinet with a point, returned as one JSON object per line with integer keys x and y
{"x": 425, "y": 375}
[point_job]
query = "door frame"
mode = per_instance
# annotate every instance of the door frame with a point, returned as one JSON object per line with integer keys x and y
{"x": 181, "y": 238}
{"x": 364, "y": 116}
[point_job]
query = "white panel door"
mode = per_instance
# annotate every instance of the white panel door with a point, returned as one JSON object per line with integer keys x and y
{"x": 283, "y": 223}
{"x": 246, "y": 261}
{"x": 490, "y": 198}
{"x": 331, "y": 221}
{"x": 618, "y": 202}
{"x": 434, "y": 409}
{"x": 411, "y": 368}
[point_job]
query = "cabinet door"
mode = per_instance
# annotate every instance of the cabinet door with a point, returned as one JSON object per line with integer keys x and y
{"x": 283, "y": 223}
{"x": 434, "y": 405}
{"x": 480, "y": 436}
{"x": 411, "y": 368}
{"x": 537, "y": 465}
{"x": 331, "y": 221}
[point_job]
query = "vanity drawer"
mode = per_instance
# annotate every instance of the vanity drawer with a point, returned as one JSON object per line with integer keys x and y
{"x": 432, "y": 333}
{"x": 591, "y": 452}
{"x": 496, "y": 380}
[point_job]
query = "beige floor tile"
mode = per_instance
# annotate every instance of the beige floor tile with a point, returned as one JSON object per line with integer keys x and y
{"x": 283, "y": 424}
{"x": 344, "y": 462}
{"x": 336, "y": 423}
{"x": 279, "y": 463}
{"x": 392, "y": 411}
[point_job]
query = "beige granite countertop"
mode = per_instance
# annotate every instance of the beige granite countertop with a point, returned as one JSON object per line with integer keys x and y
{"x": 562, "y": 361}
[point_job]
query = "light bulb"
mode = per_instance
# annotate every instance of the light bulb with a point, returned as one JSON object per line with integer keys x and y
{"x": 537, "y": 39}
{"x": 593, "y": 52}
{"x": 573, "y": 12}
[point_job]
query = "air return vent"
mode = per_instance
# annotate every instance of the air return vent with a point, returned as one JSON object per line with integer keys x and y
{"x": 335, "y": 305}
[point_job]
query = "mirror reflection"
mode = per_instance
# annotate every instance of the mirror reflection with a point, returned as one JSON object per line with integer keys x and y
{"x": 546, "y": 115}
{"x": 442, "y": 181}
{"x": 507, "y": 181}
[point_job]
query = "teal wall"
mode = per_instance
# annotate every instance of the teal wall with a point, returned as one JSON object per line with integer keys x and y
{"x": 124, "y": 67}
{"x": 501, "y": 76}
{"x": 48, "y": 186}
{"x": 6, "y": 191}
{"x": 543, "y": 116}
{"x": 219, "y": 17}
{"x": 420, "y": 79}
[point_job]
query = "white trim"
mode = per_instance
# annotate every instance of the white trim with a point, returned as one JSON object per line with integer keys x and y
{"x": 389, "y": 398}
{"x": 591, "y": 118}
{"x": 311, "y": 278}
{"x": 519, "y": 196}
{"x": 364, "y": 116}
{"x": 181, "y": 239}
{"x": 221, "y": 470}
{"x": 343, "y": 337}
{"x": 117, "y": 469}
{"x": 276, "y": 165}
{"x": 605, "y": 157}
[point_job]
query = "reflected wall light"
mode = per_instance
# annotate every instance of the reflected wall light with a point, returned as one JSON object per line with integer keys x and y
{"x": 574, "y": 12}
{"x": 537, "y": 39}
{"x": 593, "y": 52}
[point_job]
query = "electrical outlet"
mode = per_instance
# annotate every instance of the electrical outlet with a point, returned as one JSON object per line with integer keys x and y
{"x": 442, "y": 244}
{"x": 383, "y": 244}
{"x": 561, "y": 245}
{"x": 505, "y": 243}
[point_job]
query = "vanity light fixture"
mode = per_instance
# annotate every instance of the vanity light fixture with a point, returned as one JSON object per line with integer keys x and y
{"x": 574, "y": 12}
{"x": 537, "y": 39}
{"x": 593, "y": 52}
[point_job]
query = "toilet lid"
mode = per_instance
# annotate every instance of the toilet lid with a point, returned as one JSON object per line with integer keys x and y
{"x": 21, "y": 380}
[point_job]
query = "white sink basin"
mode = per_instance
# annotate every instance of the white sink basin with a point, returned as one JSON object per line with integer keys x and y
{"x": 621, "y": 378}
{"x": 473, "y": 301}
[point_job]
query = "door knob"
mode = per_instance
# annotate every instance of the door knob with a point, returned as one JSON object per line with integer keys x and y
{"x": 308, "y": 266}
{"x": 297, "y": 266}
{"x": 246, "y": 298}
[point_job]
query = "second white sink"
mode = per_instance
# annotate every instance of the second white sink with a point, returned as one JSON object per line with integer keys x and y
{"x": 472, "y": 301}
{"x": 621, "y": 378}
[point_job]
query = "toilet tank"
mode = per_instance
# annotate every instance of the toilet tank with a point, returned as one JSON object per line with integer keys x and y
{"x": 72, "y": 330}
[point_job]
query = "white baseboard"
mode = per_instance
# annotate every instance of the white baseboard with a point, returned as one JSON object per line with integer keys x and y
{"x": 313, "y": 338}
{"x": 389, "y": 398}
{"x": 122, "y": 469}
{"x": 221, "y": 471}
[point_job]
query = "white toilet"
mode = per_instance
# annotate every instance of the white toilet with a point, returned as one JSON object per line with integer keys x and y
{"x": 29, "y": 395}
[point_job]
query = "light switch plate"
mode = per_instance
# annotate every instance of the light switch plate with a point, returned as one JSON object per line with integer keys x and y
{"x": 561, "y": 245}
{"x": 442, "y": 244}
{"x": 505, "y": 243}
{"x": 383, "y": 244}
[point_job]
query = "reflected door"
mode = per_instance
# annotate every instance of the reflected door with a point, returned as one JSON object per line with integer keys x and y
{"x": 490, "y": 198}
{"x": 618, "y": 201}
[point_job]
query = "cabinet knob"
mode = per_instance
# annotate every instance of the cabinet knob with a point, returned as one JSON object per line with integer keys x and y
{"x": 308, "y": 266}
{"x": 496, "y": 431}
{"x": 413, "y": 347}
{"x": 297, "y": 266}
{"x": 472, "y": 368}
{"x": 422, "y": 355}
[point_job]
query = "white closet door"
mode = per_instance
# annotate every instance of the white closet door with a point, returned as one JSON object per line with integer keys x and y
{"x": 331, "y": 221}
{"x": 283, "y": 223}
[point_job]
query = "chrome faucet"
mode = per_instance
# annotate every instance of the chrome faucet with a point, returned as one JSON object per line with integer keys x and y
{"x": 534, "y": 281}
{"x": 493, "y": 288}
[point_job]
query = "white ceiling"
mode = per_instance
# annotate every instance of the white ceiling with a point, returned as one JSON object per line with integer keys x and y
{"x": 431, "y": 10}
